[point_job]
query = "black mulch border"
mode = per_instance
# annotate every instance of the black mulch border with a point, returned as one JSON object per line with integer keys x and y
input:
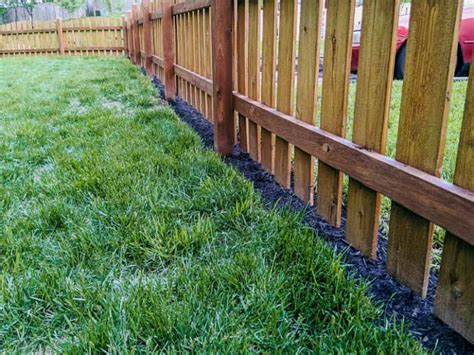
{"x": 397, "y": 300}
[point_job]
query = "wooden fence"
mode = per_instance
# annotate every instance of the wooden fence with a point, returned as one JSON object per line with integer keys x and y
{"x": 85, "y": 36}
{"x": 250, "y": 48}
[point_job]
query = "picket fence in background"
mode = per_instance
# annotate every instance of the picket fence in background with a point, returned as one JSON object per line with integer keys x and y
{"x": 84, "y": 36}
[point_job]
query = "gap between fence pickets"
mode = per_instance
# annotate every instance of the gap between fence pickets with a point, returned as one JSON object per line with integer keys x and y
{"x": 401, "y": 183}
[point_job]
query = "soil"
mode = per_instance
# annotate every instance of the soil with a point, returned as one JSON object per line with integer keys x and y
{"x": 396, "y": 300}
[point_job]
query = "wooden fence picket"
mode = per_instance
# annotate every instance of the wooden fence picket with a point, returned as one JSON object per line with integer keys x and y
{"x": 374, "y": 85}
{"x": 454, "y": 302}
{"x": 306, "y": 100}
{"x": 337, "y": 58}
{"x": 285, "y": 88}
{"x": 269, "y": 36}
{"x": 429, "y": 71}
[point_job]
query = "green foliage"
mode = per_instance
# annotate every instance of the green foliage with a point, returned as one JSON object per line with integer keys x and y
{"x": 119, "y": 233}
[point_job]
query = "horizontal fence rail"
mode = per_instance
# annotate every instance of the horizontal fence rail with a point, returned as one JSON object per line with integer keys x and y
{"x": 85, "y": 36}
{"x": 275, "y": 61}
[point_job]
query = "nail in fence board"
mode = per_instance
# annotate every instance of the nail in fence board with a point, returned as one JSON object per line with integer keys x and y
{"x": 285, "y": 89}
{"x": 306, "y": 100}
{"x": 242, "y": 76}
{"x": 429, "y": 73}
{"x": 372, "y": 108}
{"x": 454, "y": 302}
{"x": 337, "y": 60}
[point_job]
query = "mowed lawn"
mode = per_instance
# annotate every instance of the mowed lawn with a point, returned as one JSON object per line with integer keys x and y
{"x": 120, "y": 233}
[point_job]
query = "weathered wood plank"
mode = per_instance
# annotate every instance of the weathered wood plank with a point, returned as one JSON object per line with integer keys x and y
{"x": 372, "y": 108}
{"x": 454, "y": 302}
{"x": 168, "y": 50}
{"x": 337, "y": 60}
{"x": 268, "y": 79}
{"x": 195, "y": 79}
{"x": 254, "y": 73}
{"x": 190, "y": 5}
{"x": 242, "y": 74}
{"x": 285, "y": 89}
{"x": 429, "y": 73}
{"x": 404, "y": 184}
{"x": 224, "y": 124}
{"x": 306, "y": 100}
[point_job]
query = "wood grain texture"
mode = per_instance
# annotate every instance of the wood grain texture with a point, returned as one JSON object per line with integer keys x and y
{"x": 242, "y": 74}
{"x": 59, "y": 29}
{"x": 147, "y": 37}
{"x": 190, "y": 5}
{"x": 337, "y": 60}
{"x": 136, "y": 38}
{"x": 308, "y": 72}
{"x": 268, "y": 79}
{"x": 454, "y": 302}
{"x": 434, "y": 199}
{"x": 254, "y": 74}
{"x": 224, "y": 125}
{"x": 168, "y": 50}
{"x": 372, "y": 108}
{"x": 285, "y": 89}
{"x": 429, "y": 73}
{"x": 196, "y": 80}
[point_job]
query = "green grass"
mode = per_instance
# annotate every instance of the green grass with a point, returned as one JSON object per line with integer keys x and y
{"x": 120, "y": 233}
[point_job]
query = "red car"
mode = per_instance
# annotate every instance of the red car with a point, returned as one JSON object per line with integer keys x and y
{"x": 465, "y": 44}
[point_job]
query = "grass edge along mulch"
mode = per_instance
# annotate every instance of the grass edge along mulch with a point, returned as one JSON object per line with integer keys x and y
{"x": 121, "y": 233}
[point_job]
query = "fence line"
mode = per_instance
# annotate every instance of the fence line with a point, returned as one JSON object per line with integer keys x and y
{"x": 258, "y": 61}
{"x": 85, "y": 36}
{"x": 187, "y": 43}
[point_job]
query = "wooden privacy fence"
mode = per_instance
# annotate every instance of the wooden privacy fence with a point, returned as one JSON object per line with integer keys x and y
{"x": 85, "y": 36}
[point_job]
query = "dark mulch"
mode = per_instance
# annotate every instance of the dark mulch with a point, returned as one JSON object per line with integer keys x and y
{"x": 397, "y": 300}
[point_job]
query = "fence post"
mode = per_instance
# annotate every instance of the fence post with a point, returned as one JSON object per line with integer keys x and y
{"x": 147, "y": 36}
{"x": 224, "y": 121}
{"x": 59, "y": 29}
{"x": 168, "y": 49}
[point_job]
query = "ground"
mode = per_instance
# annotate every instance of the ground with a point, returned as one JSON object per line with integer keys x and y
{"x": 121, "y": 233}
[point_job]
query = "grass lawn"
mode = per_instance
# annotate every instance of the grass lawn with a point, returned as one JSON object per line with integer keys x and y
{"x": 120, "y": 233}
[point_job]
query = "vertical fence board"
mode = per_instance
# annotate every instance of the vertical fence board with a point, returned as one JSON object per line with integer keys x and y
{"x": 147, "y": 36}
{"x": 168, "y": 55}
{"x": 270, "y": 9}
{"x": 308, "y": 72}
{"x": 422, "y": 129}
{"x": 254, "y": 74}
{"x": 337, "y": 58}
{"x": 454, "y": 302}
{"x": 242, "y": 69}
{"x": 286, "y": 80}
{"x": 374, "y": 84}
